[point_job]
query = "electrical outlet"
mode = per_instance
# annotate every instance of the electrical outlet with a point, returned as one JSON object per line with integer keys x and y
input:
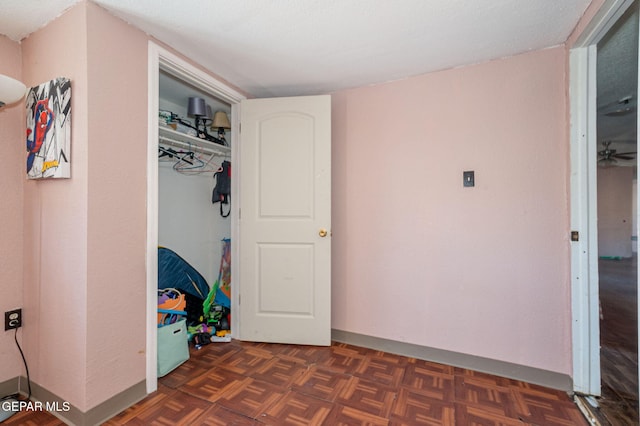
{"x": 12, "y": 319}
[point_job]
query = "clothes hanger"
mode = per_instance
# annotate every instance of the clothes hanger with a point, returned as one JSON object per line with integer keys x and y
{"x": 179, "y": 155}
{"x": 193, "y": 161}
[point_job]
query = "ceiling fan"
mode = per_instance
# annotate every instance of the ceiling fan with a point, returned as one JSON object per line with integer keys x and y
{"x": 623, "y": 106}
{"x": 609, "y": 157}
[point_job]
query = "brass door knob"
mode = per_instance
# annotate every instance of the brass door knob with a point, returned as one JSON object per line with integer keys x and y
{"x": 323, "y": 233}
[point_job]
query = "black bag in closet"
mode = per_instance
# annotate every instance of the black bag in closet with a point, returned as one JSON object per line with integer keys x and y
{"x": 222, "y": 189}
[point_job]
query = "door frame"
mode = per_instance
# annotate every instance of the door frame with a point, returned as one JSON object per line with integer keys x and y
{"x": 160, "y": 58}
{"x": 583, "y": 184}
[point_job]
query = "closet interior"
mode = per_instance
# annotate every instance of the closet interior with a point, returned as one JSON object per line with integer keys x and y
{"x": 194, "y": 229}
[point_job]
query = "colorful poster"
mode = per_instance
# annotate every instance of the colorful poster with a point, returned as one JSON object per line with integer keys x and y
{"x": 49, "y": 130}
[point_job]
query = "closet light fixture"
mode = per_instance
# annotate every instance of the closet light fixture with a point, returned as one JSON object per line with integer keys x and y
{"x": 11, "y": 90}
{"x": 221, "y": 122}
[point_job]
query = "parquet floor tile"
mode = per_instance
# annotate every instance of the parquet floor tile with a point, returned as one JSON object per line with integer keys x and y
{"x": 297, "y": 409}
{"x": 280, "y": 372}
{"x": 214, "y": 353}
{"x": 178, "y": 409}
{"x": 476, "y": 392}
{"x": 305, "y": 355}
{"x": 423, "y": 365}
{"x": 347, "y": 416}
{"x": 343, "y": 359}
{"x": 220, "y": 416}
{"x": 413, "y": 408}
{"x": 466, "y": 415}
{"x": 545, "y": 406}
{"x": 214, "y": 384}
{"x": 155, "y": 399}
{"x": 273, "y": 348}
{"x": 247, "y": 361}
{"x": 385, "y": 370}
{"x": 367, "y": 396}
{"x": 251, "y": 384}
{"x": 346, "y": 347}
{"x": 33, "y": 418}
{"x": 184, "y": 373}
{"x": 321, "y": 383}
{"x": 250, "y": 397}
{"x": 478, "y": 376}
{"x": 432, "y": 380}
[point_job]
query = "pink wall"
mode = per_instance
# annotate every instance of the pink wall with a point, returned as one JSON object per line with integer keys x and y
{"x": 420, "y": 259}
{"x": 586, "y": 18}
{"x": 117, "y": 232}
{"x": 56, "y": 223}
{"x": 12, "y": 121}
{"x": 85, "y": 237}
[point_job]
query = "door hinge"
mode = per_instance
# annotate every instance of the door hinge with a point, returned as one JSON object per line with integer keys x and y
{"x": 575, "y": 236}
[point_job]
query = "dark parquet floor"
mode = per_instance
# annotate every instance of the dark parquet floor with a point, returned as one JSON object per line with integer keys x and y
{"x": 242, "y": 383}
{"x": 619, "y": 340}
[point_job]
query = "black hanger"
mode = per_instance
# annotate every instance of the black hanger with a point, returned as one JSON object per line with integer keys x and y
{"x": 179, "y": 155}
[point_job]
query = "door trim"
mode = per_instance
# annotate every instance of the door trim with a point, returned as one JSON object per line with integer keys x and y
{"x": 160, "y": 58}
{"x": 583, "y": 148}
{"x": 584, "y": 253}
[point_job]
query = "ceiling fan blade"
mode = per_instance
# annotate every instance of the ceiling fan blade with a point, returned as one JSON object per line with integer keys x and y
{"x": 620, "y": 112}
{"x": 624, "y": 157}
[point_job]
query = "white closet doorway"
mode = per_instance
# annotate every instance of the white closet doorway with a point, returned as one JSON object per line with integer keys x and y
{"x": 281, "y": 267}
{"x": 189, "y": 224}
{"x": 174, "y": 75}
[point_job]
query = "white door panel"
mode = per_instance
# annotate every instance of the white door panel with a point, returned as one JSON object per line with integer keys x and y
{"x": 285, "y": 264}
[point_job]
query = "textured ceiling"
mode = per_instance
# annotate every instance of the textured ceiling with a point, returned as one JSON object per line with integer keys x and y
{"x": 617, "y": 71}
{"x": 297, "y": 47}
{"x": 291, "y": 47}
{"x": 19, "y": 18}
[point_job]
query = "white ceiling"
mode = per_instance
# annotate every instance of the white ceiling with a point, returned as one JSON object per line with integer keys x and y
{"x": 297, "y": 47}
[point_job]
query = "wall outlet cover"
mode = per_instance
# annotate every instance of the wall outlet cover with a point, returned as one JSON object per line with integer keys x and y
{"x": 12, "y": 319}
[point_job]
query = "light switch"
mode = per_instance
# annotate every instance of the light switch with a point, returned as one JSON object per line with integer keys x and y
{"x": 468, "y": 178}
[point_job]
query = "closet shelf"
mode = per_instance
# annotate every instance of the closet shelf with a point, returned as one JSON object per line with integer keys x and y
{"x": 171, "y": 137}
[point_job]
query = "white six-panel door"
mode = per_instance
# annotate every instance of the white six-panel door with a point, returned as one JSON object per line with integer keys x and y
{"x": 285, "y": 220}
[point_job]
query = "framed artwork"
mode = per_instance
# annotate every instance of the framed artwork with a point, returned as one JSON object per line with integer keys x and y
{"x": 49, "y": 130}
